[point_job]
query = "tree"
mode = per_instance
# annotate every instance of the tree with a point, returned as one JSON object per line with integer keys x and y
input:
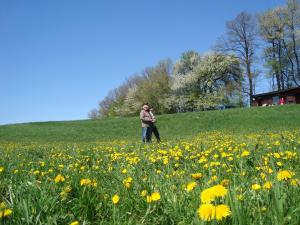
{"x": 215, "y": 80}
{"x": 241, "y": 40}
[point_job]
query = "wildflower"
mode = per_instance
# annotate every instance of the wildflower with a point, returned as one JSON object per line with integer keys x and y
{"x": 276, "y": 155}
{"x": 88, "y": 182}
{"x": 295, "y": 182}
{"x": 284, "y": 175}
{"x": 127, "y": 182}
{"x": 155, "y": 196}
{"x": 59, "y": 178}
{"x": 196, "y": 176}
{"x": 255, "y": 187}
{"x": 267, "y": 185}
{"x": 245, "y": 153}
{"x": 1, "y": 169}
{"x": 209, "y": 194}
{"x": 85, "y": 182}
{"x": 5, "y": 213}
{"x": 206, "y": 212}
{"x": 115, "y": 199}
{"x": 222, "y": 211}
{"x": 190, "y": 186}
{"x": 74, "y": 223}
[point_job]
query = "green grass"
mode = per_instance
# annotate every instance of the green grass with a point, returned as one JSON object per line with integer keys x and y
{"x": 172, "y": 126}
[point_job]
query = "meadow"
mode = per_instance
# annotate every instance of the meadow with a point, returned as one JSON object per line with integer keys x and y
{"x": 237, "y": 166}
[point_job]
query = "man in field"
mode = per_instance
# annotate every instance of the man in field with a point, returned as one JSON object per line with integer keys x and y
{"x": 147, "y": 121}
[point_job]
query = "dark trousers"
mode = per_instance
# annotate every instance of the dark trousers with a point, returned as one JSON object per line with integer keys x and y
{"x": 154, "y": 130}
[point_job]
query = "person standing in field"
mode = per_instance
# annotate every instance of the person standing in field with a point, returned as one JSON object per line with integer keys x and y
{"x": 147, "y": 122}
{"x": 154, "y": 127}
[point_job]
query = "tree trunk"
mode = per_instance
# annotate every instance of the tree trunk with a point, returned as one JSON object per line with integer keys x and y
{"x": 276, "y": 68}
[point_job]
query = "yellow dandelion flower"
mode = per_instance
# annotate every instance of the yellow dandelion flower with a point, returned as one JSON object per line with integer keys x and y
{"x": 127, "y": 182}
{"x": 206, "y": 212}
{"x": 255, "y": 187}
{"x": 190, "y": 186}
{"x": 209, "y": 194}
{"x": 295, "y": 182}
{"x": 196, "y": 176}
{"x": 245, "y": 153}
{"x": 74, "y": 223}
{"x": 222, "y": 211}
{"x": 115, "y": 199}
{"x": 85, "y": 182}
{"x": 155, "y": 196}
{"x": 267, "y": 185}
{"x": 284, "y": 175}
{"x": 5, "y": 213}
{"x": 1, "y": 169}
{"x": 59, "y": 178}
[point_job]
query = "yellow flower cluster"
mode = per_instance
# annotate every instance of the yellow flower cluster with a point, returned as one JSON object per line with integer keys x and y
{"x": 88, "y": 182}
{"x": 155, "y": 196}
{"x": 208, "y": 211}
{"x": 4, "y": 211}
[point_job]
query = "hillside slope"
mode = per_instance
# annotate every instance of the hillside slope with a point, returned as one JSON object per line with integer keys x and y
{"x": 171, "y": 126}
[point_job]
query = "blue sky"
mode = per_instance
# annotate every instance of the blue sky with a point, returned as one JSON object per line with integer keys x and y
{"x": 58, "y": 58}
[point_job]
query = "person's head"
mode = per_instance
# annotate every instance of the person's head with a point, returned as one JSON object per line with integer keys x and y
{"x": 146, "y": 106}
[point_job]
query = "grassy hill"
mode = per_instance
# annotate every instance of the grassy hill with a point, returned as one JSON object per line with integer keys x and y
{"x": 172, "y": 126}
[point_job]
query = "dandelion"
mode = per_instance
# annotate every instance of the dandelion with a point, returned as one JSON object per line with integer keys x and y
{"x": 222, "y": 211}
{"x": 59, "y": 178}
{"x": 85, "y": 182}
{"x": 196, "y": 176}
{"x": 255, "y": 187}
{"x": 190, "y": 186}
{"x": 5, "y": 213}
{"x": 245, "y": 153}
{"x": 209, "y": 194}
{"x": 88, "y": 182}
{"x": 127, "y": 182}
{"x": 284, "y": 175}
{"x": 155, "y": 196}
{"x": 267, "y": 185}
{"x": 115, "y": 199}
{"x": 74, "y": 223}
{"x": 1, "y": 169}
{"x": 206, "y": 212}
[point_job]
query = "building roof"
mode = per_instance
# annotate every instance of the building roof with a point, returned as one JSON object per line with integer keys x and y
{"x": 274, "y": 93}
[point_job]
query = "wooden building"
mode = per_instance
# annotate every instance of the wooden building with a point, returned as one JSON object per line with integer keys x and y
{"x": 290, "y": 96}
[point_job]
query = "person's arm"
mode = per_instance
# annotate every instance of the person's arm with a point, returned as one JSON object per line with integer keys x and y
{"x": 143, "y": 117}
{"x": 153, "y": 117}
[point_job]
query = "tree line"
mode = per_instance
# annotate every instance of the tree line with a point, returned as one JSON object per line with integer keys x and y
{"x": 227, "y": 75}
